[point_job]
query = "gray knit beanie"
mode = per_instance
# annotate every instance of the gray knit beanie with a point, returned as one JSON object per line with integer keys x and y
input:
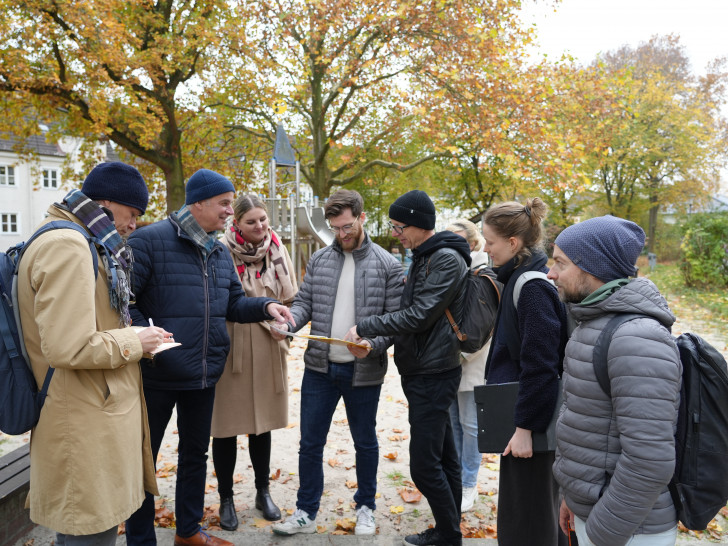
{"x": 414, "y": 208}
{"x": 205, "y": 184}
{"x": 117, "y": 182}
{"x": 606, "y": 247}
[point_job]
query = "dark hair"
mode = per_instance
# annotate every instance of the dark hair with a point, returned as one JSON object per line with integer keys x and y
{"x": 244, "y": 203}
{"x": 340, "y": 201}
{"x": 511, "y": 219}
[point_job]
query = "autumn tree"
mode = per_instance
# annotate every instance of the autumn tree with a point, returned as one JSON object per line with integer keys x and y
{"x": 135, "y": 72}
{"x": 665, "y": 130}
{"x": 354, "y": 80}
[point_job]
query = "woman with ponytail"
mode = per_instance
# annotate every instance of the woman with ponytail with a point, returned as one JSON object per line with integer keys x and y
{"x": 527, "y": 347}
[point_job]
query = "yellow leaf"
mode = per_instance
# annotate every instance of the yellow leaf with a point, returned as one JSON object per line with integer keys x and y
{"x": 396, "y": 509}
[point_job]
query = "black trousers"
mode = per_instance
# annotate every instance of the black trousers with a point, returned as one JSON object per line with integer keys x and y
{"x": 528, "y": 502}
{"x": 434, "y": 464}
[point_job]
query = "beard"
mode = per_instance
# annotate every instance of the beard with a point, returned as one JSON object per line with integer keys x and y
{"x": 580, "y": 291}
{"x": 353, "y": 238}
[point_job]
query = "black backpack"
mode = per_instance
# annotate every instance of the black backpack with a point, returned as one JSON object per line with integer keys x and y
{"x": 480, "y": 308}
{"x": 20, "y": 400}
{"x": 699, "y": 487}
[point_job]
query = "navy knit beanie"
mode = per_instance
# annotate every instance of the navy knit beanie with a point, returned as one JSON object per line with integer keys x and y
{"x": 205, "y": 184}
{"x": 117, "y": 182}
{"x": 414, "y": 208}
{"x": 606, "y": 246}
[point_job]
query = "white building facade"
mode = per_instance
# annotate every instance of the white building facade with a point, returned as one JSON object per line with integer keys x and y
{"x": 27, "y": 189}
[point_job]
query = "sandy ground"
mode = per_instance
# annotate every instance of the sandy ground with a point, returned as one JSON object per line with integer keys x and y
{"x": 399, "y": 509}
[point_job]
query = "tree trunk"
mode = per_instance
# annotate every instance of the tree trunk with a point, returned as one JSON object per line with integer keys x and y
{"x": 175, "y": 185}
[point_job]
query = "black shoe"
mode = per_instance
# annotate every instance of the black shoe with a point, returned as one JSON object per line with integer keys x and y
{"x": 264, "y": 503}
{"x": 431, "y": 537}
{"x": 228, "y": 517}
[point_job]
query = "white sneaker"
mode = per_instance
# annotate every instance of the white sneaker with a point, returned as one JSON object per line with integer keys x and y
{"x": 469, "y": 496}
{"x": 365, "y": 521}
{"x": 299, "y": 522}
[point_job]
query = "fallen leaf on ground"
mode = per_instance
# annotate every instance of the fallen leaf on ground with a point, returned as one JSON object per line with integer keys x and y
{"x": 346, "y": 525}
{"x": 276, "y": 474}
{"x": 333, "y": 463}
{"x": 396, "y": 509}
{"x": 391, "y": 456}
{"x": 351, "y": 485}
{"x": 260, "y": 523}
{"x": 410, "y": 495}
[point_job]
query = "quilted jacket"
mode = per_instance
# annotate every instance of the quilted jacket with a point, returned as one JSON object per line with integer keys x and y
{"x": 616, "y": 456}
{"x": 190, "y": 295}
{"x": 379, "y": 280}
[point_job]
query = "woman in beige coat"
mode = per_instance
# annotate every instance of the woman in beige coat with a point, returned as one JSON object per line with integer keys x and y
{"x": 252, "y": 394}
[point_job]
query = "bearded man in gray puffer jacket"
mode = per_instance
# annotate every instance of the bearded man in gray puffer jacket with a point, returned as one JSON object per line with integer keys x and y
{"x": 615, "y": 454}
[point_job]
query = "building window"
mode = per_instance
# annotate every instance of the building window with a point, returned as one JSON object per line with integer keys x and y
{"x": 9, "y": 223}
{"x": 7, "y": 175}
{"x": 50, "y": 179}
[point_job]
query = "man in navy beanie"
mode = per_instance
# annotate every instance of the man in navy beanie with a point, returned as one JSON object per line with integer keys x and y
{"x": 184, "y": 280}
{"x": 615, "y": 451}
{"x": 427, "y": 355}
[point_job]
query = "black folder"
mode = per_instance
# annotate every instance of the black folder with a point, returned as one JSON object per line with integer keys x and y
{"x": 496, "y": 406}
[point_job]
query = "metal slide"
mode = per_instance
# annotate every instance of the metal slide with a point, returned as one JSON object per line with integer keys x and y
{"x": 314, "y": 224}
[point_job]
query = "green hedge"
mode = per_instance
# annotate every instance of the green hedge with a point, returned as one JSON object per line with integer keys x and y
{"x": 704, "y": 247}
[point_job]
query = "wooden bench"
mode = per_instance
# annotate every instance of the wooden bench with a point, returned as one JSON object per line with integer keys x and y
{"x": 14, "y": 484}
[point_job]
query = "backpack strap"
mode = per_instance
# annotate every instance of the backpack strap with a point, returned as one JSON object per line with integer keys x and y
{"x": 523, "y": 279}
{"x": 55, "y": 224}
{"x": 601, "y": 349}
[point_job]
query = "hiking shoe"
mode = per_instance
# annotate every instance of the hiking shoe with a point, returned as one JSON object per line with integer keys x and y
{"x": 299, "y": 522}
{"x": 469, "y": 496}
{"x": 431, "y": 537}
{"x": 365, "y": 521}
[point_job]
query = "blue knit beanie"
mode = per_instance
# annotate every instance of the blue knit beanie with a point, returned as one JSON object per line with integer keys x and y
{"x": 117, "y": 182}
{"x": 205, "y": 184}
{"x": 414, "y": 208}
{"x": 606, "y": 246}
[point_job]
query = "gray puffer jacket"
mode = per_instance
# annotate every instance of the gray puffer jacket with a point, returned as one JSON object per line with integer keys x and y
{"x": 379, "y": 280}
{"x": 616, "y": 456}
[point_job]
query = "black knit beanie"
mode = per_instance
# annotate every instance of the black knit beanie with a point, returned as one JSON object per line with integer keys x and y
{"x": 117, "y": 182}
{"x": 414, "y": 208}
{"x": 606, "y": 246}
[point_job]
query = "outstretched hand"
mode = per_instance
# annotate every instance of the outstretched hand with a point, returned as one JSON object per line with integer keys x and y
{"x": 280, "y": 312}
{"x": 277, "y": 335}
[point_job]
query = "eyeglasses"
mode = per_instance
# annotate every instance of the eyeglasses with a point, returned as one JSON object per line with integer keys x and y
{"x": 343, "y": 229}
{"x": 397, "y": 229}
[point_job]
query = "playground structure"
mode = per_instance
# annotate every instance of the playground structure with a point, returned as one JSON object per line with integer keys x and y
{"x": 301, "y": 225}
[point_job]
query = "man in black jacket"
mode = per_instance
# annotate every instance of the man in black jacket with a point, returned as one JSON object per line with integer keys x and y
{"x": 427, "y": 355}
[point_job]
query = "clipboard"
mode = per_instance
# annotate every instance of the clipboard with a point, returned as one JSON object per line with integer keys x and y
{"x": 329, "y": 340}
{"x": 496, "y": 405}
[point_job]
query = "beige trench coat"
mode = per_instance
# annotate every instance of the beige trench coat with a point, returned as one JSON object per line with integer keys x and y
{"x": 252, "y": 394}
{"x": 90, "y": 456}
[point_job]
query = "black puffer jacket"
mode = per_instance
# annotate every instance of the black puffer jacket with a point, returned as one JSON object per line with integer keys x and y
{"x": 425, "y": 342}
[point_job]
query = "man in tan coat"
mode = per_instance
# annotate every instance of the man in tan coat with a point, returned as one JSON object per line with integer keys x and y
{"x": 90, "y": 455}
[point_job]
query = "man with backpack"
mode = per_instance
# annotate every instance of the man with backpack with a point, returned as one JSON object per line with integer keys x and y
{"x": 427, "y": 355}
{"x": 90, "y": 455}
{"x": 615, "y": 452}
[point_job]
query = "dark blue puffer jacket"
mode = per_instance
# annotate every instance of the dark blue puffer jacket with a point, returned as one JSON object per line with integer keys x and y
{"x": 190, "y": 296}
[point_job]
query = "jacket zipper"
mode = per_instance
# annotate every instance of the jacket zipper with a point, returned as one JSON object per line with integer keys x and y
{"x": 205, "y": 286}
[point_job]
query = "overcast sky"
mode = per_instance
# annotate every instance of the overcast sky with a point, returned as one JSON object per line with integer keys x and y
{"x": 584, "y": 28}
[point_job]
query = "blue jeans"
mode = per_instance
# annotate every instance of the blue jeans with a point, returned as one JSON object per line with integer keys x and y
{"x": 320, "y": 394}
{"x": 464, "y": 419}
{"x": 666, "y": 538}
{"x": 194, "y": 418}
